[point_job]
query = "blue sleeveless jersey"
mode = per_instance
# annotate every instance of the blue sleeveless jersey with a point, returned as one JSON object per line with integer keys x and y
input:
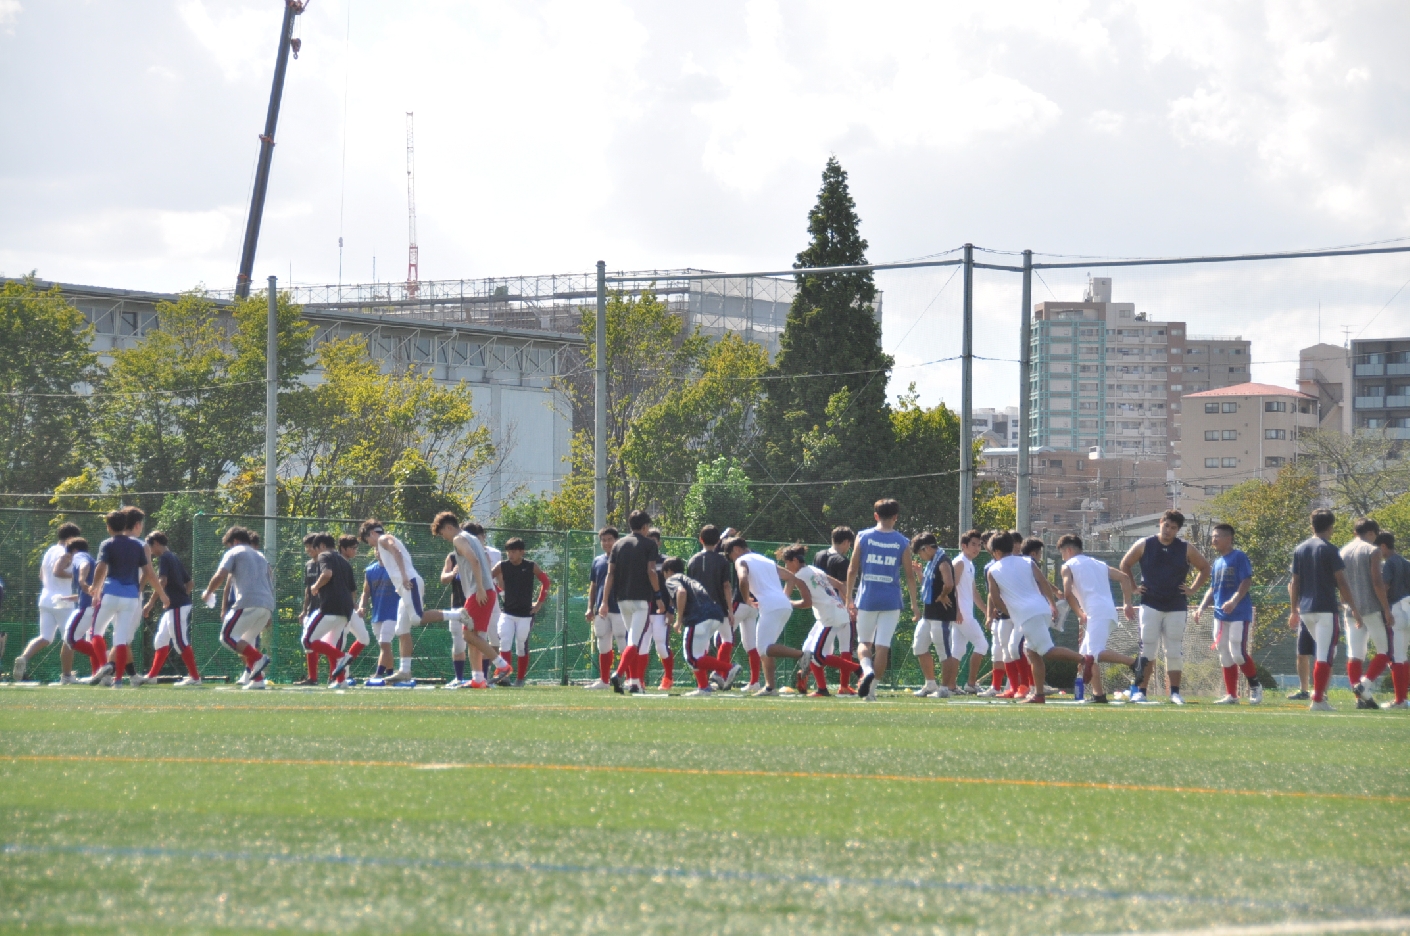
{"x": 1163, "y": 570}
{"x": 880, "y": 587}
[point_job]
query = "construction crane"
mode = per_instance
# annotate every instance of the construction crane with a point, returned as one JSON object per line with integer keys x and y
{"x": 413, "y": 271}
{"x": 287, "y": 44}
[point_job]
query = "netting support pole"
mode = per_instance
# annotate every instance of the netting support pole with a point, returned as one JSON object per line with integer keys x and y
{"x": 271, "y": 422}
{"x": 967, "y": 398}
{"x": 599, "y": 423}
{"x": 1025, "y": 403}
{"x": 567, "y": 555}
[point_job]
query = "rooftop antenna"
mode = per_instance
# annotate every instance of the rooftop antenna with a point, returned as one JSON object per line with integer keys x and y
{"x": 413, "y": 272}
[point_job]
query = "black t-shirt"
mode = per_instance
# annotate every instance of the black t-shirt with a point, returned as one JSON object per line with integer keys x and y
{"x": 935, "y": 610}
{"x": 311, "y": 573}
{"x": 335, "y": 597}
{"x": 178, "y": 580}
{"x": 457, "y": 593}
{"x": 711, "y": 570}
{"x": 632, "y": 556}
{"x": 832, "y": 562}
{"x": 520, "y": 587}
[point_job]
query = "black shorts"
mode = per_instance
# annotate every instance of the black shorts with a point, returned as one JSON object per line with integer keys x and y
{"x": 1306, "y": 646}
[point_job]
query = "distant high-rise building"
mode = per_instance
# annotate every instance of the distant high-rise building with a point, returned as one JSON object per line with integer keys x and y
{"x": 1105, "y": 378}
{"x": 998, "y": 427}
{"x": 1324, "y": 372}
{"x": 1381, "y": 385}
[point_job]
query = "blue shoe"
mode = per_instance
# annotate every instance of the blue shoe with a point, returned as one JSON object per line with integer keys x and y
{"x": 377, "y": 682}
{"x": 405, "y": 684}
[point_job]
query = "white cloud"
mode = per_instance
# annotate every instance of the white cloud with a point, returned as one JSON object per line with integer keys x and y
{"x": 1105, "y": 121}
{"x": 9, "y": 12}
{"x": 237, "y": 36}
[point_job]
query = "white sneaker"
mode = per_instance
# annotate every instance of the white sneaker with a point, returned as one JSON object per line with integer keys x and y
{"x": 1136, "y": 695}
{"x": 969, "y": 689}
{"x": 260, "y": 666}
{"x": 1255, "y": 695}
{"x": 20, "y": 665}
{"x": 942, "y": 693}
{"x": 598, "y": 684}
{"x": 1323, "y": 706}
{"x": 140, "y": 680}
{"x": 765, "y": 691}
{"x": 186, "y": 682}
{"x": 925, "y": 691}
{"x": 752, "y": 688}
{"x": 988, "y": 692}
{"x": 1365, "y": 690}
{"x": 255, "y": 684}
{"x": 1176, "y": 699}
{"x": 449, "y": 684}
{"x": 244, "y": 678}
{"x": 733, "y": 674}
{"x": 1404, "y": 705}
{"x": 1228, "y": 700}
{"x": 68, "y": 679}
{"x": 699, "y": 693}
{"x": 105, "y": 672}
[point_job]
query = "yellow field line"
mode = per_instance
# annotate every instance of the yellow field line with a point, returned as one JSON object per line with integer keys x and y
{"x": 701, "y": 772}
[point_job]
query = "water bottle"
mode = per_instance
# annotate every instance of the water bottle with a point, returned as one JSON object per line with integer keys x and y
{"x": 1079, "y": 689}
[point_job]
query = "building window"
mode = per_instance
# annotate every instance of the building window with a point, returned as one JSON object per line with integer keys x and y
{"x": 1275, "y": 406}
{"x": 1211, "y": 490}
{"x": 1211, "y": 463}
{"x": 1229, "y": 435}
{"x": 1229, "y": 408}
{"x": 1274, "y": 461}
{"x": 1229, "y": 463}
{"x": 1275, "y": 433}
{"x": 1304, "y": 407}
{"x": 1211, "y": 435}
{"x": 1211, "y": 407}
{"x": 1177, "y": 387}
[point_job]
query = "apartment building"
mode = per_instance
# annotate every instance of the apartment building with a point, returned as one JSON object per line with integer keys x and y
{"x": 1236, "y": 434}
{"x": 1107, "y": 378}
{"x": 1073, "y": 491}
{"x": 1381, "y": 385}
{"x": 997, "y": 427}
{"x": 1324, "y": 371}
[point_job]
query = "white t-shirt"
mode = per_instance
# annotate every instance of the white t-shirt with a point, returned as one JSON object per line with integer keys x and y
{"x": 828, "y": 608}
{"x": 1091, "y": 580}
{"x": 1019, "y": 592}
{"x": 964, "y": 588}
{"x": 53, "y": 587}
{"x": 385, "y": 557}
{"x": 764, "y": 583}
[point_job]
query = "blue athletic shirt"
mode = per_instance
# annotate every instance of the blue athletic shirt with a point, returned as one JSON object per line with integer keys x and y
{"x": 599, "y": 582}
{"x": 1163, "y": 570}
{"x": 880, "y": 587}
{"x": 82, "y": 575}
{"x": 1316, "y": 563}
{"x": 1228, "y": 574}
{"x": 384, "y": 597}
{"x": 125, "y": 557}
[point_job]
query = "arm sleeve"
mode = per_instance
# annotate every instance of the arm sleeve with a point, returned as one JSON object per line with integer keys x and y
{"x": 227, "y": 562}
{"x": 543, "y": 579}
{"x": 105, "y": 552}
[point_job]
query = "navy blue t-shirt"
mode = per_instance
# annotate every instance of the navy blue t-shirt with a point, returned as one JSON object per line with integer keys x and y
{"x": 125, "y": 557}
{"x": 178, "y": 580}
{"x": 599, "y": 582}
{"x": 1316, "y": 563}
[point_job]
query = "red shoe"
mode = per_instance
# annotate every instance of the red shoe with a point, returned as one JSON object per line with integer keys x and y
{"x": 1034, "y": 700}
{"x": 821, "y": 693}
{"x": 666, "y": 685}
{"x": 800, "y": 681}
{"x": 846, "y": 690}
{"x": 479, "y": 684}
{"x": 1008, "y": 693}
{"x": 1022, "y": 692}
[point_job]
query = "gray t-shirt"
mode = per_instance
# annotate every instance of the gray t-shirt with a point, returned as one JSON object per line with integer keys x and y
{"x": 1358, "y": 556}
{"x": 254, "y": 583}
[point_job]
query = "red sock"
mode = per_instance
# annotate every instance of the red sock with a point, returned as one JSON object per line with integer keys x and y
{"x": 523, "y": 665}
{"x": 754, "y": 666}
{"x": 100, "y": 651}
{"x": 1231, "y": 680}
{"x": 642, "y": 660}
{"x": 251, "y": 655}
{"x": 1353, "y": 671}
{"x": 1321, "y": 675}
{"x": 188, "y": 656}
{"x": 1379, "y": 662}
{"x": 726, "y": 652}
{"x": 627, "y": 664}
{"x": 312, "y": 658}
{"x": 121, "y": 656}
{"x": 1013, "y": 674}
{"x": 843, "y": 665}
{"x": 847, "y": 676}
{"x": 1400, "y": 676}
{"x": 158, "y": 662}
{"x": 998, "y": 675}
{"x": 507, "y": 657}
{"x": 355, "y": 649}
{"x": 670, "y": 666}
{"x": 86, "y": 648}
{"x": 819, "y": 676}
{"x": 604, "y": 665}
{"x": 702, "y": 678}
{"x": 1249, "y": 670}
{"x": 1028, "y": 673}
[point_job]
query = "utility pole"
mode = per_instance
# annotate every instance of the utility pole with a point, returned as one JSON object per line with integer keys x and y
{"x": 599, "y": 432}
{"x": 1025, "y": 407}
{"x": 271, "y": 421}
{"x": 967, "y": 397}
{"x": 413, "y": 253}
{"x": 287, "y": 44}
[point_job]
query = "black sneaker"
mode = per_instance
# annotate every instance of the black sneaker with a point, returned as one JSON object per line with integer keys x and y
{"x": 1100, "y": 700}
{"x": 616, "y": 682}
{"x": 1302, "y": 695}
{"x": 1367, "y": 704}
{"x": 635, "y": 690}
{"x": 307, "y": 682}
{"x": 864, "y": 687}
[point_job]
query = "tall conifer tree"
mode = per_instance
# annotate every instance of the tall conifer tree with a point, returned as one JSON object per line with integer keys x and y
{"x": 827, "y": 427}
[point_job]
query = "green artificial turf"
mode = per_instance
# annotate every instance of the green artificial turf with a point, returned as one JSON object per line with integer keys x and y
{"x": 551, "y": 810}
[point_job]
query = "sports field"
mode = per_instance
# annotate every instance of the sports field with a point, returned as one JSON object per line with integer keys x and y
{"x": 552, "y": 810}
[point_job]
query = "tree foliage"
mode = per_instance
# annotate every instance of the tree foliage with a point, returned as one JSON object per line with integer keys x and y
{"x": 365, "y": 443}
{"x": 720, "y": 494}
{"x": 926, "y": 445}
{"x": 1269, "y": 518}
{"x": 1364, "y": 471}
{"x": 46, "y": 359}
{"x": 837, "y": 426}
